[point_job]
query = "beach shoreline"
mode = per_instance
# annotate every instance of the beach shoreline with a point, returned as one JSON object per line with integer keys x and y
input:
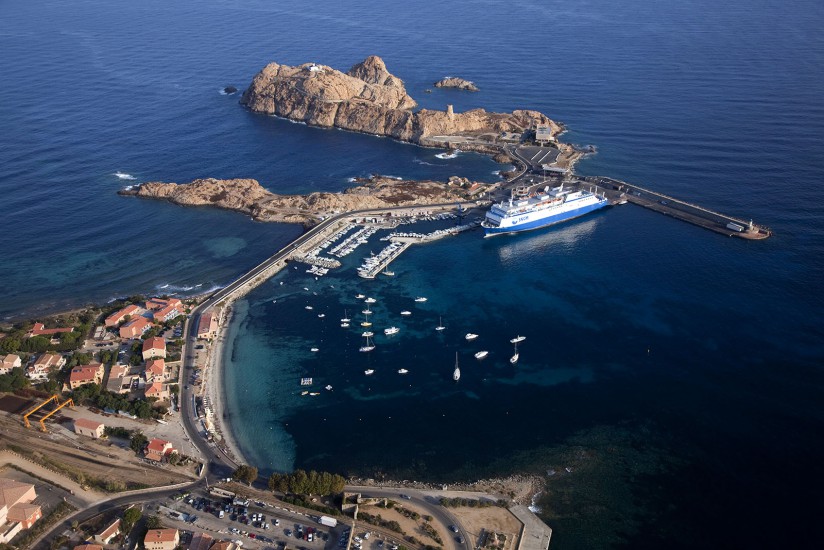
{"x": 215, "y": 388}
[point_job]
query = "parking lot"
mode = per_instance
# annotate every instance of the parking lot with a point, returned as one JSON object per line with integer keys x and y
{"x": 256, "y": 524}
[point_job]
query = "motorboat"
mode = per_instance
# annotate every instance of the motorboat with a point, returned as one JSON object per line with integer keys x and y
{"x": 517, "y": 339}
{"x": 391, "y": 330}
{"x": 420, "y": 299}
{"x": 440, "y": 326}
{"x": 481, "y": 354}
{"x": 369, "y": 372}
{"x": 406, "y": 312}
{"x": 402, "y": 371}
{"x": 470, "y": 336}
{"x": 368, "y": 334}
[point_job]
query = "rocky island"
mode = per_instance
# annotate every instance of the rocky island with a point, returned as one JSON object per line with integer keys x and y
{"x": 249, "y": 197}
{"x": 369, "y": 99}
{"x": 458, "y": 83}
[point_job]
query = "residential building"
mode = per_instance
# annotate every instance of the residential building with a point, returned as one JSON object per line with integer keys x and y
{"x": 88, "y": 546}
{"x": 120, "y": 381}
{"x": 155, "y": 370}
{"x": 165, "y": 309}
{"x": 157, "y": 389}
{"x": 161, "y": 539}
{"x": 115, "y": 318}
{"x": 201, "y": 541}
{"x": 44, "y": 364}
{"x": 154, "y": 347}
{"x": 207, "y": 326}
{"x": 86, "y": 374}
{"x": 10, "y": 361}
{"x": 40, "y": 330}
{"x": 16, "y": 509}
{"x": 89, "y": 428}
{"x": 157, "y": 449}
{"x": 135, "y": 327}
{"x": 108, "y": 533}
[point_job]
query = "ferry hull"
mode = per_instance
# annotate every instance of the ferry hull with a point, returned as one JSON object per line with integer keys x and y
{"x": 544, "y": 222}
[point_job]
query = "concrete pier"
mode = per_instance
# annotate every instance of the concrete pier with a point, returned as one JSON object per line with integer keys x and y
{"x": 385, "y": 257}
{"x": 620, "y": 191}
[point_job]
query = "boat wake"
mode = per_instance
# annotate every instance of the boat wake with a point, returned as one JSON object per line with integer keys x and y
{"x": 169, "y": 288}
{"x": 124, "y": 176}
{"x": 423, "y": 162}
{"x": 448, "y": 155}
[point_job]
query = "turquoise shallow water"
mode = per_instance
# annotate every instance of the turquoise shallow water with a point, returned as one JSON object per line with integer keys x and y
{"x": 676, "y": 373}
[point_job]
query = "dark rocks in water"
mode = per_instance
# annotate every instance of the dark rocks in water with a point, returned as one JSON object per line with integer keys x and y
{"x": 229, "y": 90}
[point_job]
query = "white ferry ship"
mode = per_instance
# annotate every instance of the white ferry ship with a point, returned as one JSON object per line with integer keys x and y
{"x": 525, "y": 210}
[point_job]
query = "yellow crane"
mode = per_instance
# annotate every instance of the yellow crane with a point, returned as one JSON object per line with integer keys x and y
{"x": 68, "y": 402}
{"x": 37, "y": 408}
{"x": 56, "y": 400}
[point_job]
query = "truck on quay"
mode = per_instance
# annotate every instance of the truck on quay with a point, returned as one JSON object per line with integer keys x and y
{"x": 327, "y": 521}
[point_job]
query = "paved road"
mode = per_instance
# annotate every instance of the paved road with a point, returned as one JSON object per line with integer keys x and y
{"x": 433, "y": 508}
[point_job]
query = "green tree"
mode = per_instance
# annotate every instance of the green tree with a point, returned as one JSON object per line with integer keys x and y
{"x": 138, "y": 441}
{"x": 246, "y": 474}
{"x": 130, "y": 517}
{"x": 153, "y": 522}
{"x": 10, "y": 345}
{"x": 35, "y": 344}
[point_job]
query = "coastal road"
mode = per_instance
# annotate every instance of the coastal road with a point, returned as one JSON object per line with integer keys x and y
{"x": 430, "y": 504}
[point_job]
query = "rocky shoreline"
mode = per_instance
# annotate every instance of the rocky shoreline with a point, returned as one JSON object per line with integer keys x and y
{"x": 251, "y": 198}
{"x": 520, "y": 489}
{"x": 457, "y": 83}
{"x": 369, "y": 99}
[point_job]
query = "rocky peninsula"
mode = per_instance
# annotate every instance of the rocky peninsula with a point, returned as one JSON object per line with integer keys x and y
{"x": 369, "y": 99}
{"x": 249, "y": 197}
{"x": 458, "y": 83}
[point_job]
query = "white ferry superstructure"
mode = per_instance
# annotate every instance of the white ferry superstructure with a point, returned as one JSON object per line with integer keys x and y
{"x": 525, "y": 211}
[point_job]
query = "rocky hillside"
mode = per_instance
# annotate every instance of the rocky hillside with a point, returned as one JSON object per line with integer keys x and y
{"x": 368, "y": 98}
{"x": 249, "y": 197}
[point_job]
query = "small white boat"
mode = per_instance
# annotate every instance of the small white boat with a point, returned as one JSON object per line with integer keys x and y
{"x": 274, "y": 301}
{"x": 306, "y": 289}
{"x": 402, "y": 371}
{"x": 514, "y": 358}
{"x": 368, "y": 334}
{"x": 406, "y": 312}
{"x": 481, "y": 354}
{"x": 367, "y": 312}
{"x": 309, "y": 307}
{"x": 370, "y": 300}
{"x": 306, "y": 392}
{"x": 313, "y": 350}
{"x": 305, "y": 381}
{"x": 470, "y": 336}
{"x": 328, "y": 387}
{"x": 369, "y": 372}
{"x": 346, "y": 318}
{"x": 369, "y": 346}
{"x": 389, "y": 273}
{"x": 440, "y": 326}
{"x": 366, "y": 324}
{"x": 456, "y": 374}
{"x": 517, "y": 339}
{"x": 321, "y": 315}
{"x": 344, "y": 325}
{"x": 314, "y": 393}
{"x": 391, "y": 330}
{"x": 360, "y": 296}
{"x": 420, "y": 299}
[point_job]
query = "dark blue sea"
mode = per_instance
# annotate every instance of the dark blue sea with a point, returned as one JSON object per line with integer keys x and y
{"x": 670, "y": 387}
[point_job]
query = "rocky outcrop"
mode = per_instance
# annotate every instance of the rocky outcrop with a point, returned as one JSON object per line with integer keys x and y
{"x": 370, "y": 99}
{"x": 249, "y": 197}
{"x": 455, "y": 82}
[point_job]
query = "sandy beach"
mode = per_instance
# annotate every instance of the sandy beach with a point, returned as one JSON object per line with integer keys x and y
{"x": 215, "y": 389}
